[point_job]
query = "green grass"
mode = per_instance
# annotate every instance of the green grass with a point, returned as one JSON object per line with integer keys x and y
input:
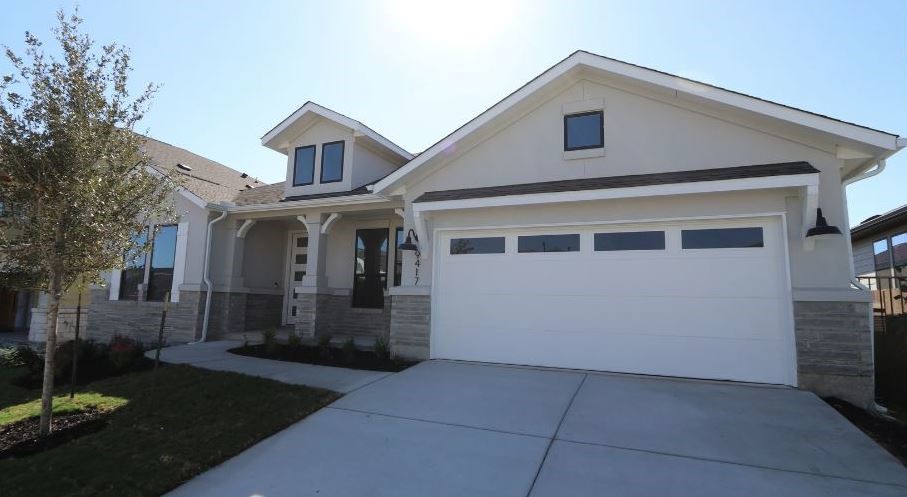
{"x": 200, "y": 418}
{"x": 62, "y": 404}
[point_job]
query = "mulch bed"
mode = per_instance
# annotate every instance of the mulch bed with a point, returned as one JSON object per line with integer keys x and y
{"x": 360, "y": 359}
{"x": 21, "y": 438}
{"x": 889, "y": 433}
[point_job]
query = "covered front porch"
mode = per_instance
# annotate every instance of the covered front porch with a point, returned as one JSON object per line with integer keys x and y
{"x": 317, "y": 272}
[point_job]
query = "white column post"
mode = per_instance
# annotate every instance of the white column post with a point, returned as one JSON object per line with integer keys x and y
{"x": 314, "y": 278}
{"x": 179, "y": 261}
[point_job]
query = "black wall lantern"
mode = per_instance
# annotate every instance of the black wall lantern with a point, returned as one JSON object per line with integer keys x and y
{"x": 820, "y": 230}
{"x": 408, "y": 244}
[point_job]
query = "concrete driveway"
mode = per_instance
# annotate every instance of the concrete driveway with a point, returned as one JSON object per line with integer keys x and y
{"x": 458, "y": 429}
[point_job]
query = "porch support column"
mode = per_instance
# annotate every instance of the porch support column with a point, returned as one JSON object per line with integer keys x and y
{"x": 310, "y": 296}
{"x": 236, "y": 247}
{"x": 314, "y": 274}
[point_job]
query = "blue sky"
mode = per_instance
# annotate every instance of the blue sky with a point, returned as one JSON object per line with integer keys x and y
{"x": 415, "y": 70}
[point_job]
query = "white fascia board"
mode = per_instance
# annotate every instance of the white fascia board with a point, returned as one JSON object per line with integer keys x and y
{"x": 354, "y": 125}
{"x": 477, "y": 122}
{"x": 789, "y": 181}
{"x": 709, "y": 92}
{"x": 297, "y": 204}
{"x": 681, "y": 86}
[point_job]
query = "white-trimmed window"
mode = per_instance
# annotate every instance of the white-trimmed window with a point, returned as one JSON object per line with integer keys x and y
{"x": 153, "y": 269}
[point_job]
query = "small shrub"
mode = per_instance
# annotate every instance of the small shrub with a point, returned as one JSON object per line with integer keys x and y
{"x": 293, "y": 340}
{"x": 269, "y": 339}
{"x": 14, "y": 357}
{"x": 124, "y": 352}
{"x": 324, "y": 346}
{"x": 382, "y": 348}
{"x": 349, "y": 350}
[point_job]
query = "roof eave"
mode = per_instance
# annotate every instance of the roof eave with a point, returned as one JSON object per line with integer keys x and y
{"x": 272, "y": 139}
{"x": 885, "y": 143}
{"x": 364, "y": 198}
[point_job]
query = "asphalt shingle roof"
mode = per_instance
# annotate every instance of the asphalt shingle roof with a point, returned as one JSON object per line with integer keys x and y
{"x": 877, "y": 224}
{"x": 725, "y": 173}
{"x": 210, "y": 180}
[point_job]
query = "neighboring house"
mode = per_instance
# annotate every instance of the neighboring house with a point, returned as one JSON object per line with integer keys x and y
{"x": 604, "y": 216}
{"x": 15, "y": 304}
{"x": 880, "y": 244}
{"x": 880, "y": 260}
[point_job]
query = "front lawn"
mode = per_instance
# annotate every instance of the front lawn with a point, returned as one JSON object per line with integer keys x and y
{"x": 199, "y": 419}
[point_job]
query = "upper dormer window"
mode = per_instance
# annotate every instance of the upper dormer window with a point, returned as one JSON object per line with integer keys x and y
{"x": 332, "y": 162}
{"x": 304, "y": 166}
{"x": 584, "y": 131}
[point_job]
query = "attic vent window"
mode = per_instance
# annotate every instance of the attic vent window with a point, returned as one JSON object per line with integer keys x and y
{"x": 584, "y": 131}
{"x": 182, "y": 166}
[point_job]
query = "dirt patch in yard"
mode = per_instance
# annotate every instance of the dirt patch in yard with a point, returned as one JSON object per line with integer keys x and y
{"x": 21, "y": 438}
{"x": 889, "y": 433}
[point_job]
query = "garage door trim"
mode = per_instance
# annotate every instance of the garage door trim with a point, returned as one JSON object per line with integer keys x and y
{"x": 630, "y": 225}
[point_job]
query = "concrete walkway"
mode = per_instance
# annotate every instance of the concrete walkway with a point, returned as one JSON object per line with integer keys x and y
{"x": 455, "y": 429}
{"x": 214, "y": 355}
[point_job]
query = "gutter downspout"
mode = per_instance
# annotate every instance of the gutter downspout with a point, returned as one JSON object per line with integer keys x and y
{"x": 206, "y": 277}
{"x": 879, "y": 167}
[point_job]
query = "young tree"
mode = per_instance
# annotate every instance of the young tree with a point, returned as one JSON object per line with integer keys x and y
{"x": 75, "y": 179}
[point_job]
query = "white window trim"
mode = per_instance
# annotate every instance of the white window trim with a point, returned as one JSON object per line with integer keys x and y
{"x": 179, "y": 260}
{"x": 579, "y": 107}
{"x": 115, "y": 275}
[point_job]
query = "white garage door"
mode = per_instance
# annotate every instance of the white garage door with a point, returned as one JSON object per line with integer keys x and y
{"x": 692, "y": 299}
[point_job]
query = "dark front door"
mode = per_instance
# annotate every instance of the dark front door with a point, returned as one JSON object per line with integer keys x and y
{"x": 7, "y": 309}
{"x": 370, "y": 278}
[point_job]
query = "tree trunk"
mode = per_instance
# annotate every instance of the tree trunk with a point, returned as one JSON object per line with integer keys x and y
{"x": 50, "y": 345}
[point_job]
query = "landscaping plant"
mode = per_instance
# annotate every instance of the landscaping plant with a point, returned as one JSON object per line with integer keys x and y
{"x": 269, "y": 339}
{"x": 349, "y": 350}
{"x": 293, "y": 340}
{"x": 324, "y": 346}
{"x": 72, "y": 172}
{"x": 382, "y": 348}
{"x": 124, "y": 352}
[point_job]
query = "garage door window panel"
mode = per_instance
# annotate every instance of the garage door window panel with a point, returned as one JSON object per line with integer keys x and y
{"x": 478, "y": 245}
{"x": 629, "y": 240}
{"x": 529, "y": 244}
{"x": 722, "y": 238}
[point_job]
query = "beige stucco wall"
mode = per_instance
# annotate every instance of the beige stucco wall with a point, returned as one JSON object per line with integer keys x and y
{"x": 341, "y": 249}
{"x": 642, "y": 135}
{"x": 197, "y": 219}
{"x": 264, "y": 257}
{"x": 323, "y": 131}
{"x": 361, "y": 164}
{"x": 369, "y": 166}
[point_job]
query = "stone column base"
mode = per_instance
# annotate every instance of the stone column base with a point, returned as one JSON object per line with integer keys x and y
{"x": 410, "y": 326}
{"x": 834, "y": 350}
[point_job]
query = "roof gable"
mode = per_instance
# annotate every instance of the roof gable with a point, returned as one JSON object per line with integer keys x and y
{"x": 880, "y": 143}
{"x": 279, "y": 136}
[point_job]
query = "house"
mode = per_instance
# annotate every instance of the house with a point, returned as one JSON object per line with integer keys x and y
{"x": 880, "y": 261}
{"x": 202, "y": 181}
{"x": 604, "y": 216}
